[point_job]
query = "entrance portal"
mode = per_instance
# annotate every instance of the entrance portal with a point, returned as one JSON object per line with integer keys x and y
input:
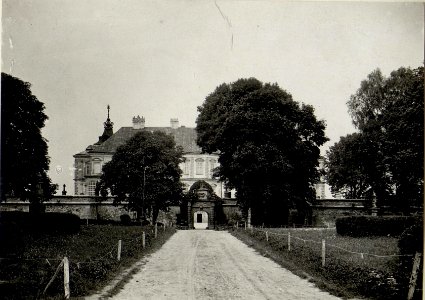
{"x": 200, "y": 220}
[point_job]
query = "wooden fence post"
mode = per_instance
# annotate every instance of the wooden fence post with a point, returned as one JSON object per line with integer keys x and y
{"x": 414, "y": 275}
{"x": 323, "y": 253}
{"x": 66, "y": 277}
{"x": 156, "y": 230}
{"x": 289, "y": 241}
{"x": 119, "y": 250}
{"x": 143, "y": 239}
{"x": 267, "y": 236}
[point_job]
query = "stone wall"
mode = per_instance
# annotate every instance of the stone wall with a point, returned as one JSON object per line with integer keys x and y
{"x": 86, "y": 207}
{"x": 324, "y": 211}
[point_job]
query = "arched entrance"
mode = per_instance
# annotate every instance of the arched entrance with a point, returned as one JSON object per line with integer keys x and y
{"x": 200, "y": 220}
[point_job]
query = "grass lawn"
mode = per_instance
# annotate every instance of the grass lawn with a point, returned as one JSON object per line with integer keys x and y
{"x": 30, "y": 260}
{"x": 354, "y": 267}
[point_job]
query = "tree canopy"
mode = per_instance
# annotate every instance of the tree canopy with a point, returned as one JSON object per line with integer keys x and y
{"x": 346, "y": 163}
{"x": 268, "y": 146}
{"x": 24, "y": 151}
{"x": 389, "y": 114}
{"x": 145, "y": 171}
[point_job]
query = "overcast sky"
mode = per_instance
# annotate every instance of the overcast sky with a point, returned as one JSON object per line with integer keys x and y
{"x": 160, "y": 59}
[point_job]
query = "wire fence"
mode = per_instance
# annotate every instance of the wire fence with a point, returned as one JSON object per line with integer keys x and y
{"x": 76, "y": 268}
{"x": 327, "y": 252}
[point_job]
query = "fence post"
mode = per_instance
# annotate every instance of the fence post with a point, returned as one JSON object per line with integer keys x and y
{"x": 156, "y": 230}
{"x": 414, "y": 276}
{"x": 245, "y": 225}
{"x": 119, "y": 250}
{"x": 143, "y": 239}
{"x": 267, "y": 236}
{"x": 237, "y": 225}
{"x": 289, "y": 241}
{"x": 66, "y": 277}
{"x": 323, "y": 253}
{"x": 163, "y": 228}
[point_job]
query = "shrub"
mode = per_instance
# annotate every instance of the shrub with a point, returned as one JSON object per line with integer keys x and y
{"x": 43, "y": 222}
{"x": 410, "y": 242}
{"x": 125, "y": 220}
{"x": 359, "y": 226}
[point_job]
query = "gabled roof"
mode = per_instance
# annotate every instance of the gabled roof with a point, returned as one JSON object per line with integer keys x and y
{"x": 183, "y": 136}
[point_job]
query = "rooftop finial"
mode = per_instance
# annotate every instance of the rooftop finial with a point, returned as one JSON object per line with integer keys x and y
{"x": 108, "y": 110}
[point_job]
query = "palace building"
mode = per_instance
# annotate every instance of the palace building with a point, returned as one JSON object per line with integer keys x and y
{"x": 197, "y": 165}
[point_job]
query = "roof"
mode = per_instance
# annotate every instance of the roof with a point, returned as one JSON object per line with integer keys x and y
{"x": 183, "y": 136}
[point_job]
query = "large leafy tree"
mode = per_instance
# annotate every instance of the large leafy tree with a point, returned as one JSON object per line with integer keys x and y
{"x": 24, "y": 157}
{"x": 389, "y": 113}
{"x": 268, "y": 146}
{"x": 346, "y": 163}
{"x": 145, "y": 171}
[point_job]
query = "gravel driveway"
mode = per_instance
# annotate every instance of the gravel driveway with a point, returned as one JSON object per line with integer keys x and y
{"x": 204, "y": 264}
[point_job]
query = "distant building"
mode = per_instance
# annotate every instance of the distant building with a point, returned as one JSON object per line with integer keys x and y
{"x": 197, "y": 166}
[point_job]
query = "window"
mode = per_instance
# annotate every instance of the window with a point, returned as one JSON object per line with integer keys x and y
{"x": 88, "y": 171}
{"x": 91, "y": 188}
{"x": 97, "y": 167}
{"x": 186, "y": 167}
{"x": 199, "y": 166}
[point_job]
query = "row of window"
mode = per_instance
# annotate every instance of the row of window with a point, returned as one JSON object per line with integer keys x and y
{"x": 199, "y": 166}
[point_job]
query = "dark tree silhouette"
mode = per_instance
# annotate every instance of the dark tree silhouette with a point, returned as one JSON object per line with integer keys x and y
{"x": 145, "y": 171}
{"x": 24, "y": 157}
{"x": 268, "y": 146}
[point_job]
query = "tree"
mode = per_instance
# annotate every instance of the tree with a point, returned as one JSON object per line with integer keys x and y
{"x": 346, "y": 163}
{"x": 268, "y": 146}
{"x": 389, "y": 114}
{"x": 24, "y": 159}
{"x": 145, "y": 171}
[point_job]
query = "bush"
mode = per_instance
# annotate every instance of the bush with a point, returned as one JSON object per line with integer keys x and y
{"x": 43, "y": 222}
{"x": 359, "y": 226}
{"x": 125, "y": 220}
{"x": 410, "y": 242}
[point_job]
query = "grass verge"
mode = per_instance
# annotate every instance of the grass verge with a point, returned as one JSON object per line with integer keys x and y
{"x": 29, "y": 260}
{"x": 347, "y": 274}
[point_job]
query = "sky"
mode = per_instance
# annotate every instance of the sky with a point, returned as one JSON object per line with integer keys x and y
{"x": 160, "y": 59}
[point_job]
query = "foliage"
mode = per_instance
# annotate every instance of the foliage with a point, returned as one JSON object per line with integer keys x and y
{"x": 268, "y": 146}
{"x": 412, "y": 239}
{"x": 145, "y": 171}
{"x": 345, "y": 274}
{"x": 23, "y": 149}
{"x": 359, "y": 226}
{"x": 389, "y": 115}
{"x": 346, "y": 163}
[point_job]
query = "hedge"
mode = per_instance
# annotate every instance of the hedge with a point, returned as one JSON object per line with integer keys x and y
{"x": 43, "y": 222}
{"x": 360, "y": 226}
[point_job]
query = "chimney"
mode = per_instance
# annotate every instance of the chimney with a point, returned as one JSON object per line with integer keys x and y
{"x": 174, "y": 123}
{"x": 138, "y": 122}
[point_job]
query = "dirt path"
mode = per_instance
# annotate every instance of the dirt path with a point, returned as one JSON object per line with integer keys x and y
{"x": 198, "y": 264}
